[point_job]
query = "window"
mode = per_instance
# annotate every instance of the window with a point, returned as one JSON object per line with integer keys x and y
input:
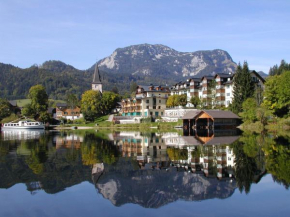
{"x": 147, "y": 107}
{"x": 160, "y": 101}
{"x": 228, "y": 94}
{"x": 147, "y": 101}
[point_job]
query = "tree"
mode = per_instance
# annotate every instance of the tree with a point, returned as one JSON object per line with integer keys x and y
{"x": 133, "y": 87}
{"x": 277, "y": 94}
{"x": 243, "y": 87}
{"x": 284, "y": 66}
{"x": 109, "y": 101}
{"x": 5, "y": 110}
{"x": 249, "y": 110}
{"x": 195, "y": 101}
{"x": 45, "y": 117}
{"x": 72, "y": 102}
{"x": 212, "y": 92}
{"x": 182, "y": 100}
{"x": 115, "y": 90}
{"x": 39, "y": 99}
{"x": 91, "y": 104}
{"x": 172, "y": 101}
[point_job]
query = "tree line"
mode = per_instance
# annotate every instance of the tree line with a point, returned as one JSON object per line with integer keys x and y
{"x": 253, "y": 104}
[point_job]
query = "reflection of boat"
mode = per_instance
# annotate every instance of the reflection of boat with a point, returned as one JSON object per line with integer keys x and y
{"x": 23, "y": 125}
{"x": 21, "y": 134}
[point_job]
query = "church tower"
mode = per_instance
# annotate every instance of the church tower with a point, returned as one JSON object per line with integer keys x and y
{"x": 97, "y": 83}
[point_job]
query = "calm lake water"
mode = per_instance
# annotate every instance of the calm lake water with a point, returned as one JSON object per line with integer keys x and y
{"x": 95, "y": 173}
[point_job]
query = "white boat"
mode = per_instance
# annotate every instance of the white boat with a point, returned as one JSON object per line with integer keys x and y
{"x": 23, "y": 125}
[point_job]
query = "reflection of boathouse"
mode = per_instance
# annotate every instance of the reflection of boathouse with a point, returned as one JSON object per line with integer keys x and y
{"x": 209, "y": 119}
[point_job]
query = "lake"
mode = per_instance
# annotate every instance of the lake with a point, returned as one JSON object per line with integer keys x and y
{"x": 99, "y": 173}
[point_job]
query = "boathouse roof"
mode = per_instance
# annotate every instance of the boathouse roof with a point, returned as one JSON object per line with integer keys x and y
{"x": 212, "y": 113}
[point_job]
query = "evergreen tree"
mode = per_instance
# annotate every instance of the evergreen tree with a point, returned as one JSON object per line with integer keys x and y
{"x": 243, "y": 87}
{"x": 275, "y": 70}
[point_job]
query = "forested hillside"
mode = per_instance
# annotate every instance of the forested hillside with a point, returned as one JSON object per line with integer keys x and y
{"x": 60, "y": 79}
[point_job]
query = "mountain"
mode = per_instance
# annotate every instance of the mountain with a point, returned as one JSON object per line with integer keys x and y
{"x": 263, "y": 74}
{"x": 58, "y": 78}
{"x": 142, "y": 64}
{"x": 160, "y": 61}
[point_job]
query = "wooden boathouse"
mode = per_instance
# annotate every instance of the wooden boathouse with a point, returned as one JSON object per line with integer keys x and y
{"x": 210, "y": 119}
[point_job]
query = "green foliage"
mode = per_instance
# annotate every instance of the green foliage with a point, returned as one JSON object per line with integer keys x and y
{"x": 10, "y": 118}
{"x": 133, "y": 87}
{"x": 91, "y": 104}
{"x": 249, "y": 110}
{"x": 115, "y": 90}
{"x": 109, "y": 101}
{"x": 277, "y": 94}
{"x": 45, "y": 117}
{"x": 245, "y": 167}
{"x": 263, "y": 115}
{"x": 172, "y": 101}
{"x": 195, "y": 100}
{"x": 72, "y": 100}
{"x": 94, "y": 104}
{"x": 278, "y": 159}
{"x": 80, "y": 121}
{"x": 243, "y": 87}
{"x": 27, "y": 110}
{"x": 177, "y": 154}
{"x": 176, "y": 100}
{"x": 146, "y": 120}
{"x": 182, "y": 100}
{"x": 95, "y": 150}
{"x": 275, "y": 70}
{"x": 5, "y": 110}
{"x": 39, "y": 99}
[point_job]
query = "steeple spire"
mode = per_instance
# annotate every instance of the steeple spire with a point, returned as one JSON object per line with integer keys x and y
{"x": 97, "y": 77}
{"x": 97, "y": 83}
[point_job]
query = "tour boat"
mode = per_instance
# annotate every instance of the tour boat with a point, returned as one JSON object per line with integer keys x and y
{"x": 23, "y": 125}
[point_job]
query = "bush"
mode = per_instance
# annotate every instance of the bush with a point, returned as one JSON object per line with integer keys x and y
{"x": 146, "y": 120}
{"x": 80, "y": 121}
{"x": 12, "y": 117}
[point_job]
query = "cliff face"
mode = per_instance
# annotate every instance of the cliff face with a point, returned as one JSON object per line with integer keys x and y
{"x": 160, "y": 60}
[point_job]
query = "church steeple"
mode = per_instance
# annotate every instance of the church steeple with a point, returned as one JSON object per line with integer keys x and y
{"x": 97, "y": 83}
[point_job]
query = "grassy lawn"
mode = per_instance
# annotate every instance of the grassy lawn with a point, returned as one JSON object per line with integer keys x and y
{"x": 102, "y": 123}
{"x": 23, "y": 102}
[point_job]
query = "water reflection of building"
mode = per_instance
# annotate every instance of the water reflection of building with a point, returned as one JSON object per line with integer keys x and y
{"x": 146, "y": 149}
{"x": 21, "y": 134}
{"x": 205, "y": 152}
{"x": 68, "y": 141}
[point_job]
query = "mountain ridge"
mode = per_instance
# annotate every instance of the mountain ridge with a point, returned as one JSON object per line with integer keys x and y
{"x": 159, "y": 59}
{"x": 143, "y": 64}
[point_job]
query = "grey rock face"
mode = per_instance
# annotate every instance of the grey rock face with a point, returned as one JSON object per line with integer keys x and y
{"x": 150, "y": 60}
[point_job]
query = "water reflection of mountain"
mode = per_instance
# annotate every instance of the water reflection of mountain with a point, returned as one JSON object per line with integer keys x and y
{"x": 155, "y": 188}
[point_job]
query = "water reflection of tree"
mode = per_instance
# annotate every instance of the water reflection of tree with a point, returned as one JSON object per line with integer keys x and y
{"x": 245, "y": 167}
{"x": 177, "y": 154}
{"x": 256, "y": 153}
{"x": 96, "y": 150}
{"x": 38, "y": 154}
{"x": 278, "y": 159}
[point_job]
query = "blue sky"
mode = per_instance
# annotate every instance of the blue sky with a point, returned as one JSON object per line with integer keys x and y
{"x": 79, "y": 32}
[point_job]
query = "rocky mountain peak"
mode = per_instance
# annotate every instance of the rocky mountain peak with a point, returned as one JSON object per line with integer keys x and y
{"x": 160, "y": 60}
